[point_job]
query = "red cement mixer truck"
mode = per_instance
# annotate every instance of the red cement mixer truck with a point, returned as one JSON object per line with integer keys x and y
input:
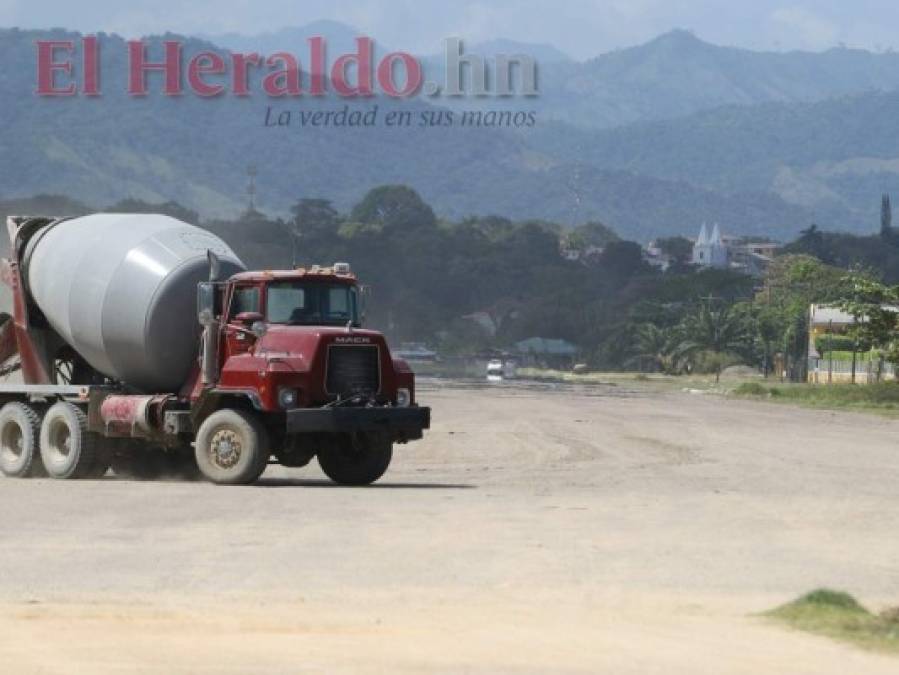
{"x": 146, "y": 347}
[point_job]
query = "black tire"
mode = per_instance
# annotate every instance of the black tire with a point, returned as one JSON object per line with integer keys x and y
{"x": 68, "y": 450}
{"x": 102, "y": 458}
{"x": 356, "y": 460}
{"x": 231, "y": 448}
{"x": 98, "y": 470}
{"x": 20, "y": 431}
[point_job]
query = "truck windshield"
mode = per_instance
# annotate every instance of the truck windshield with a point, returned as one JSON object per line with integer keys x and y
{"x": 300, "y": 303}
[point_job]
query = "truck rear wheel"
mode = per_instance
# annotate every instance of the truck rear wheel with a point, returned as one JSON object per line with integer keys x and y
{"x": 232, "y": 447}
{"x": 20, "y": 432}
{"x": 67, "y": 448}
{"x": 356, "y": 459}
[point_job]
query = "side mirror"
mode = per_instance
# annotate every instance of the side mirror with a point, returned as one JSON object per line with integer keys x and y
{"x": 248, "y": 318}
{"x": 254, "y": 322}
{"x": 259, "y": 329}
{"x": 364, "y": 295}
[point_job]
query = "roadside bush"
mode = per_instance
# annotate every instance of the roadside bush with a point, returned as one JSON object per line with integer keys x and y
{"x": 752, "y": 389}
{"x": 830, "y": 598}
{"x": 882, "y": 392}
{"x": 838, "y": 615}
{"x": 839, "y": 343}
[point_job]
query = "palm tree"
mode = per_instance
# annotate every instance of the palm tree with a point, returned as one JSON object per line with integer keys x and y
{"x": 719, "y": 331}
{"x": 656, "y": 345}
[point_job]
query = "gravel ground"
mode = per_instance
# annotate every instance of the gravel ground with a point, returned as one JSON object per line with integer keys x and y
{"x": 537, "y": 528}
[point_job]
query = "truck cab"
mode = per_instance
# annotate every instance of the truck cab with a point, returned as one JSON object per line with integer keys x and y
{"x": 288, "y": 348}
{"x": 303, "y": 329}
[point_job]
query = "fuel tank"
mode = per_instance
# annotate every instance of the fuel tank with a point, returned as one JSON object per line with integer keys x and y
{"x": 121, "y": 290}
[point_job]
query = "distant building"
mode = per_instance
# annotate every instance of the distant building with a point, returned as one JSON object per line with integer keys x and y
{"x": 767, "y": 249}
{"x": 570, "y": 254}
{"x": 838, "y": 365}
{"x": 587, "y": 255}
{"x": 824, "y": 320}
{"x": 656, "y": 257}
{"x": 709, "y": 250}
{"x": 737, "y": 253}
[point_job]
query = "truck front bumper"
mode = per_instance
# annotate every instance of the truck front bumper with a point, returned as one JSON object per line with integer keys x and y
{"x": 403, "y": 424}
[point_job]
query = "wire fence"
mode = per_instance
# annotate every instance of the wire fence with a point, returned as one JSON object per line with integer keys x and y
{"x": 864, "y": 371}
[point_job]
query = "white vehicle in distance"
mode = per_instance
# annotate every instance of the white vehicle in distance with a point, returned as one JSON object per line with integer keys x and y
{"x": 495, "y": 370}
{"x": 501, "y": 369}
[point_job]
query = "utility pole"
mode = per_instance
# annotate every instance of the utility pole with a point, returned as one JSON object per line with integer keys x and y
{"x": 252, "y": 172}
{"x": 886, "y": 217}
{"x": 786, "y": 357}
{"x": 830, "y": 352}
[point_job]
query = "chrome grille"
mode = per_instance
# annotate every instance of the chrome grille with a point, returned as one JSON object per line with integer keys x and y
{"x": 353, "y": 370}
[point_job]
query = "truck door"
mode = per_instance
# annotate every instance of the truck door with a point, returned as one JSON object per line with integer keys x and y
{"x": 243, "y": 299}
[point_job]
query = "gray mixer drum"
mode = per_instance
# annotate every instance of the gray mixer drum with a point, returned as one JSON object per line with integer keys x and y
{"x": 121, "y": 289}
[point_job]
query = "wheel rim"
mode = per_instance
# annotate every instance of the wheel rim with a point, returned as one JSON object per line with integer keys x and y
{"x": 60, "y": 441}
{"x": 12, "y": 443}
{"x": 225, "y": 448}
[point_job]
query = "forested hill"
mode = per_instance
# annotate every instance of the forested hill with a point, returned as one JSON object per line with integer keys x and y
{"x": 673, "y": 75}
{"x": 834, "y": 157}
{"x": 678, "y": 74}
{"x": 667, "y": 178}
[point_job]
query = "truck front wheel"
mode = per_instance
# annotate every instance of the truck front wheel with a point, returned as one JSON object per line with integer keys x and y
{"x": 356, "y": 459}
{"x": 232, "y": 447}
{"x": 20, "y": 428}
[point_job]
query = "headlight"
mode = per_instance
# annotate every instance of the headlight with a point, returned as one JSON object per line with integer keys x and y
{"x": 403, "y": 398}
{"x": 287, "y": 398}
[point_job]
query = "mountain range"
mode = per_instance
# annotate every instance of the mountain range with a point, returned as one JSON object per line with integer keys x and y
{"x": 340, "y": 39}
{"x": 677, "y": 74}
{"x": 653, "y": 140}
{"x": 674, "y": 75}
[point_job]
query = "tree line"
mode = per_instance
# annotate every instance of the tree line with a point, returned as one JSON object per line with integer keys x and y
{"x": 487, "y": 282}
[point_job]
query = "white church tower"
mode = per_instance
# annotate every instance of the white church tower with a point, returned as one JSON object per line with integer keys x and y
{"x": 709, "y": 249}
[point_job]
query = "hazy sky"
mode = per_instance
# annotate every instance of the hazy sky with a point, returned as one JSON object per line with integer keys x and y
{"x": 582, "y": 28}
